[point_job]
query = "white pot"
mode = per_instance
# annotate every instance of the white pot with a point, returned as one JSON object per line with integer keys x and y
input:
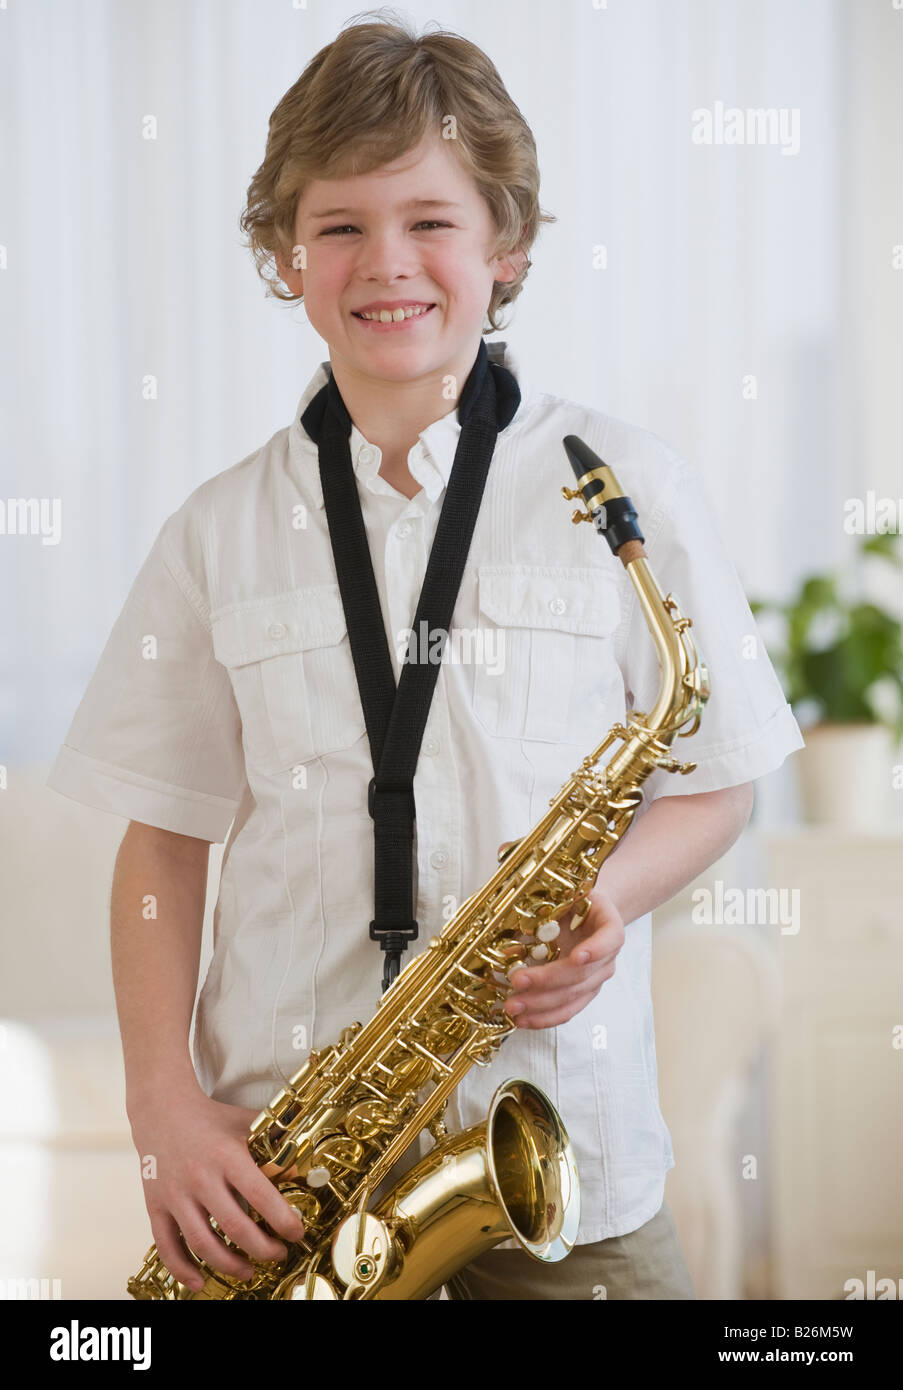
{"x": 845, "y": 773}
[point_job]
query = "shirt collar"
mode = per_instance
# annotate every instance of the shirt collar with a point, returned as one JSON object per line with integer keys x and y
{"x": 432, "y": 457}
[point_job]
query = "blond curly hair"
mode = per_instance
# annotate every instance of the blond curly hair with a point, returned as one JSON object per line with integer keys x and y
{"x": 368, "y": 98}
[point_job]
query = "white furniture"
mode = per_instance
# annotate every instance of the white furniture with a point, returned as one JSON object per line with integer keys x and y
{"x": 715, "y": 995}
{"x": 837, "y": 1063}
{"x": 71, "y": 1201}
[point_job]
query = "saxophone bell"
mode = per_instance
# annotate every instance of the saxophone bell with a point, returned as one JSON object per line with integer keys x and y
{"x": 514, "y": 1175}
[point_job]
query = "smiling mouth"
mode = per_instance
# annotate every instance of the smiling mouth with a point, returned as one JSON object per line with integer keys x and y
{"x": 395, "y": 316}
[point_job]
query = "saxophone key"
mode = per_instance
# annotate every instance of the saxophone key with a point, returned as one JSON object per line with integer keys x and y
{"x": 581, "y": 913}
{"x": 445, "y": 1034}
{"x": 592, "y": 826}
{"x": 408, "y": 1074}
{"x": 363, "y": 1254}
{"x": 435, "y": 1062}
{"x": 303, "y": 1202}
{"x": 313, "y": 1287}
{"x": 364, "y": 1121}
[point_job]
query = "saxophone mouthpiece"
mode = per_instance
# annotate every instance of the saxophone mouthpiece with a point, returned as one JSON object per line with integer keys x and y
{"x": 607, "y": 504}
{"x": 582, "y": 458}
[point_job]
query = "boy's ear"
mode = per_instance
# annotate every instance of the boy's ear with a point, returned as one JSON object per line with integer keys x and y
{"x": 509, "y": 267}
{"x": 290, "y": 272}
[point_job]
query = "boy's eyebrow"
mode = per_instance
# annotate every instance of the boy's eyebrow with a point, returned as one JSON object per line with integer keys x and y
{"x": 412, "y": 203}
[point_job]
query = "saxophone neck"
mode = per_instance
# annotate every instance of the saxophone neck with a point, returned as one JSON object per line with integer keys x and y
{"x": 684, "y": 683}
{"x": 674, "y": 647}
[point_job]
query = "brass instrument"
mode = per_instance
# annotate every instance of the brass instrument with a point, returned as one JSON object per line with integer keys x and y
{"x": 331, "y": 1136}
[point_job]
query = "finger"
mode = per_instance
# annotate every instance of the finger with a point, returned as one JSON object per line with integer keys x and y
{"x": 172, "y": 1252}
{"x": 597, "y": 947}
{"x": 240, "y": 1228}
{"x": 203, "y": 1241}
{"x": 574, "y": 998}
{"x": 560, "y": 974}
{"x": 521, "y": 956}
{"x": 579, "y": 993}
{"x": 550, "y": 1019}
{"x": 265, "y": 1198}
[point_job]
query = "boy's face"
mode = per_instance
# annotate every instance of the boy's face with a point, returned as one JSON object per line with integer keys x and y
{"x": 380, "y": 247}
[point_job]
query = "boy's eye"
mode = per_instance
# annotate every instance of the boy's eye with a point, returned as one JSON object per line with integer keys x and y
{"x": 331, "y": 231}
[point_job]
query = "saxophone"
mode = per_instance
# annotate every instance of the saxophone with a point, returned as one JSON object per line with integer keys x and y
{"x": 329, "y": 1139}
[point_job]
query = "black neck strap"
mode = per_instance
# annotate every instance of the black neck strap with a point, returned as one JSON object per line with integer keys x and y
{"x": 396, "y": 719}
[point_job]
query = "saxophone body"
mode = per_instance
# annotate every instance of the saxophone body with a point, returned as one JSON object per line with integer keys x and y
{"x": 330, "y": 1138}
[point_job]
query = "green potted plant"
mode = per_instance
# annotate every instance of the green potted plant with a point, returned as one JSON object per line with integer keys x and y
{"x": 840, "y": 661}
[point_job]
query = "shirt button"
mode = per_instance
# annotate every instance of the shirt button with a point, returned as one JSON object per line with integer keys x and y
{"x": 365, "y": 454}
{"x": 438, "y": 858}
{"x": 557, "y": 605}
{"x": 431, "y": 746}
{"x": 277, "y": 630}
{"x": 404, "y": 529}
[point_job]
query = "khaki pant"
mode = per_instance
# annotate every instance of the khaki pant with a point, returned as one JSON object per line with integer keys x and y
{"x": 646, "y": 1263}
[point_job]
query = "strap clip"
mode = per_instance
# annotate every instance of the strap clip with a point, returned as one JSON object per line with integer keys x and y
{"x": 403, "y": 799}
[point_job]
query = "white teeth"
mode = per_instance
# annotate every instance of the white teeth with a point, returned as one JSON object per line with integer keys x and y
{"x": 396, "y": 315}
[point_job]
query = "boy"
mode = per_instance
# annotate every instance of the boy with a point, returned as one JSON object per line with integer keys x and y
{"x": 400, "y": 176}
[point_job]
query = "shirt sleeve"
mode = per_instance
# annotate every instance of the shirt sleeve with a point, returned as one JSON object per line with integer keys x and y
{"x": 746, "y": 727}
{"x": 157, "y": 736}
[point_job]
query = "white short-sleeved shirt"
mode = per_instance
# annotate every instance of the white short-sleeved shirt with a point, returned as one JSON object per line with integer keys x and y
{"x": 245, "y": 712}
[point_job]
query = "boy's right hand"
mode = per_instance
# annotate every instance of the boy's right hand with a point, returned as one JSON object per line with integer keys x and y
{"x": 203, "y": 1165}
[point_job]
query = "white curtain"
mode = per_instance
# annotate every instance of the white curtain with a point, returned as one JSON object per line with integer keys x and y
{"x": 123, "y": 262}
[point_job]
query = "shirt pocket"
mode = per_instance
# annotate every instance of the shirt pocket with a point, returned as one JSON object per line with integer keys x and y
{"x": 553, "y": 641}
{"x": 289, "y": 660}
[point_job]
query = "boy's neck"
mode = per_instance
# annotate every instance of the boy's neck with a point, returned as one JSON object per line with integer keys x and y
{"x": 392, "y": 414}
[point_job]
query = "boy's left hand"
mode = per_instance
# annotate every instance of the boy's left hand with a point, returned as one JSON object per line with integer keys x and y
{"x": 545, "y": 995}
